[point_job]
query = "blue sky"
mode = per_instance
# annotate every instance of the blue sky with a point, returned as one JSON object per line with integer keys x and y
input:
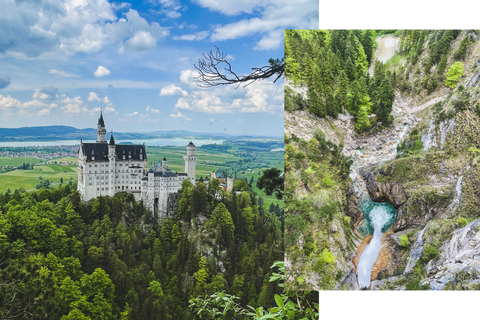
{"x": 63, "y": 60}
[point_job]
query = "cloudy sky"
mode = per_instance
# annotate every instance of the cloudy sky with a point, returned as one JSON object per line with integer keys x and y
{"x": 63, "y": 60}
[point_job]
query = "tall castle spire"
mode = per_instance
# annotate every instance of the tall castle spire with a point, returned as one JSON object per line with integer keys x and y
{"x": 101, "y": 130}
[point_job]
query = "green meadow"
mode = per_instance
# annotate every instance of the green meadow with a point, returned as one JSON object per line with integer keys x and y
{"x": 28, "y": 179}
{"x": 208, "y": 160}
{"x": 17, "y": 161}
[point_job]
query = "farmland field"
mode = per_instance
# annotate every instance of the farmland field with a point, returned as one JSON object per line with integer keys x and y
{"x": 238, "y": 158}
{"x": 17, "y": 161}
{"x": 28, "y": 179}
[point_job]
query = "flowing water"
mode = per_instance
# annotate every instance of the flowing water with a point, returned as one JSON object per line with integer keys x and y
{"x": 380, "y": 216}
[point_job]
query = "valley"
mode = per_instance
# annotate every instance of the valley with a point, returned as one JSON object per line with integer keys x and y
{"x": 423, "y": 165}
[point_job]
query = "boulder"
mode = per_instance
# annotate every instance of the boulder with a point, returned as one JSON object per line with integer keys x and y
{"x": 393, "y": 193}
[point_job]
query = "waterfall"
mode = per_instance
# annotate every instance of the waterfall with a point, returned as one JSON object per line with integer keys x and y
{"x": 416, "y": 251}
{"x": 458, "y": 196}
{"x": 379, "y": 217}
{"x": 428, "y": 139}
{"x": 446, "y": 127}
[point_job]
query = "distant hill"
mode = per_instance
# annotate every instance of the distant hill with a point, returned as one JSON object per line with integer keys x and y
{"x": 46, "y": 133}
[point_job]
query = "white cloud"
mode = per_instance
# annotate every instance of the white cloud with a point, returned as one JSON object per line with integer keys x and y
{"x": 212, "y": 120}
{"x": 178, "y": 115}
{"x": 110, "y": 109}
{"x": 60, "y": 28}
{"x": 195, "y": 36}
{"x": 132, "y": 114}
{"x": 141, "y": 41}
{"x": 122, "y": 120}
{"x": 172, "y": 90}
{"x": 8, "y": 102}
{"x": 152, "y": 110}
{"x": 173, "y": 14}
{"x": 258, "y": 97}
{"x": 62, "y": 73}
{"x": 47, "y": 93}
{"x": 43, "y": 112}
{"x": 101, "y": 71}
{"x": 188, "y": 77}
{"x": 92, "y": 97}
{"x": 105, "y": 99}
{"x": 24, "y": 113}
{"x": 271, "y": 18}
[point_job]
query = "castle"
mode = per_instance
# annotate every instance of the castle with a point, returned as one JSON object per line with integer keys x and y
{"x": 107, "y": 168}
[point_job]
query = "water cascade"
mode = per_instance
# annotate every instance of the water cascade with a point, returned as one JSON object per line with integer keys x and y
{"x": 379, "y": 217}
{"x": 458, "y": 196}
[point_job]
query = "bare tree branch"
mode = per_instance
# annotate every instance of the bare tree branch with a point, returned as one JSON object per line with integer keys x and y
{"x": 214, "y": 70}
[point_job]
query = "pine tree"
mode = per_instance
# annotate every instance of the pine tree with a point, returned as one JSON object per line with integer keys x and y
{"x": 314, "y": 104}
{"x": 332, "y": 106}
{"x": 350, "y": 69}
{"x": 444, "y": 44}
{"x": 384, "y": 102}
{"x": 368, "y": 45}
{"x": 361, "y": 64}
{"x": 342, "y": 91}
{"x": 308, "y": 69}
{"x": 353, "y": 100}
{"x": 363, "y": 122}
{"x": 462, "y": 49}
{"x": 441, "y": 67}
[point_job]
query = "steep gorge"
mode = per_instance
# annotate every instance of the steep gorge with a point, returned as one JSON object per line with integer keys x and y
{"x": 435, "y": 189}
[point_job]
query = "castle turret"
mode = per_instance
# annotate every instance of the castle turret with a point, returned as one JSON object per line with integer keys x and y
{"x": 101, "y": 130}
{"x": 111, "y": 166}
{"x": 190, "y": 161}
{"x": 164, "y": 162}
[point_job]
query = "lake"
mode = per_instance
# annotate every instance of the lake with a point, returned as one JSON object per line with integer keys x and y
{"x": 148, "y": 142}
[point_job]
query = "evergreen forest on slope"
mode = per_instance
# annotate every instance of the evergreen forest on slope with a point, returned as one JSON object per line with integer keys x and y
{"x": 109, "y": 258}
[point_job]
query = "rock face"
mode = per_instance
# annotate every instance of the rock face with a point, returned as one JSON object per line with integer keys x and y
{"x": 352, "y": 208}
{"x": 393, "y": 193}
{"x": 461, "y": 253}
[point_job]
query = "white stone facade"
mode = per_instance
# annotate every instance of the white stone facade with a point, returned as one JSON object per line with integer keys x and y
{"x": 106, "y": 168}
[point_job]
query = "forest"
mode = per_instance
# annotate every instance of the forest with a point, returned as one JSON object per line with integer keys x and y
{"x": 334, "y": 66}
{"x": 109, "y": 258}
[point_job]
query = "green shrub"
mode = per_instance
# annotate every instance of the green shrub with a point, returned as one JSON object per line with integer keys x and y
{"x": 404, "y": 241}
{"x": 429, "y": 253}
{"x": 462, "y": 222}
{"x": 454, "y": 74}
{"x": 327, "y": 211}
{"x": 300, "y": 155}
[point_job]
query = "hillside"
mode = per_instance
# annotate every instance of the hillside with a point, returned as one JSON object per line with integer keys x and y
{"x": 423, "y": 166}
{"x": 44, "y": 133}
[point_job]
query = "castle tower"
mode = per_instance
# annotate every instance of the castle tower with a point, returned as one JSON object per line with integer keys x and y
{"x": 190, "y": 162}
{"x": 101, "y": 130}
{"x": 111, "y": 166}
{"x": 229, "y": 184}
{"x": 164, "y": 162}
